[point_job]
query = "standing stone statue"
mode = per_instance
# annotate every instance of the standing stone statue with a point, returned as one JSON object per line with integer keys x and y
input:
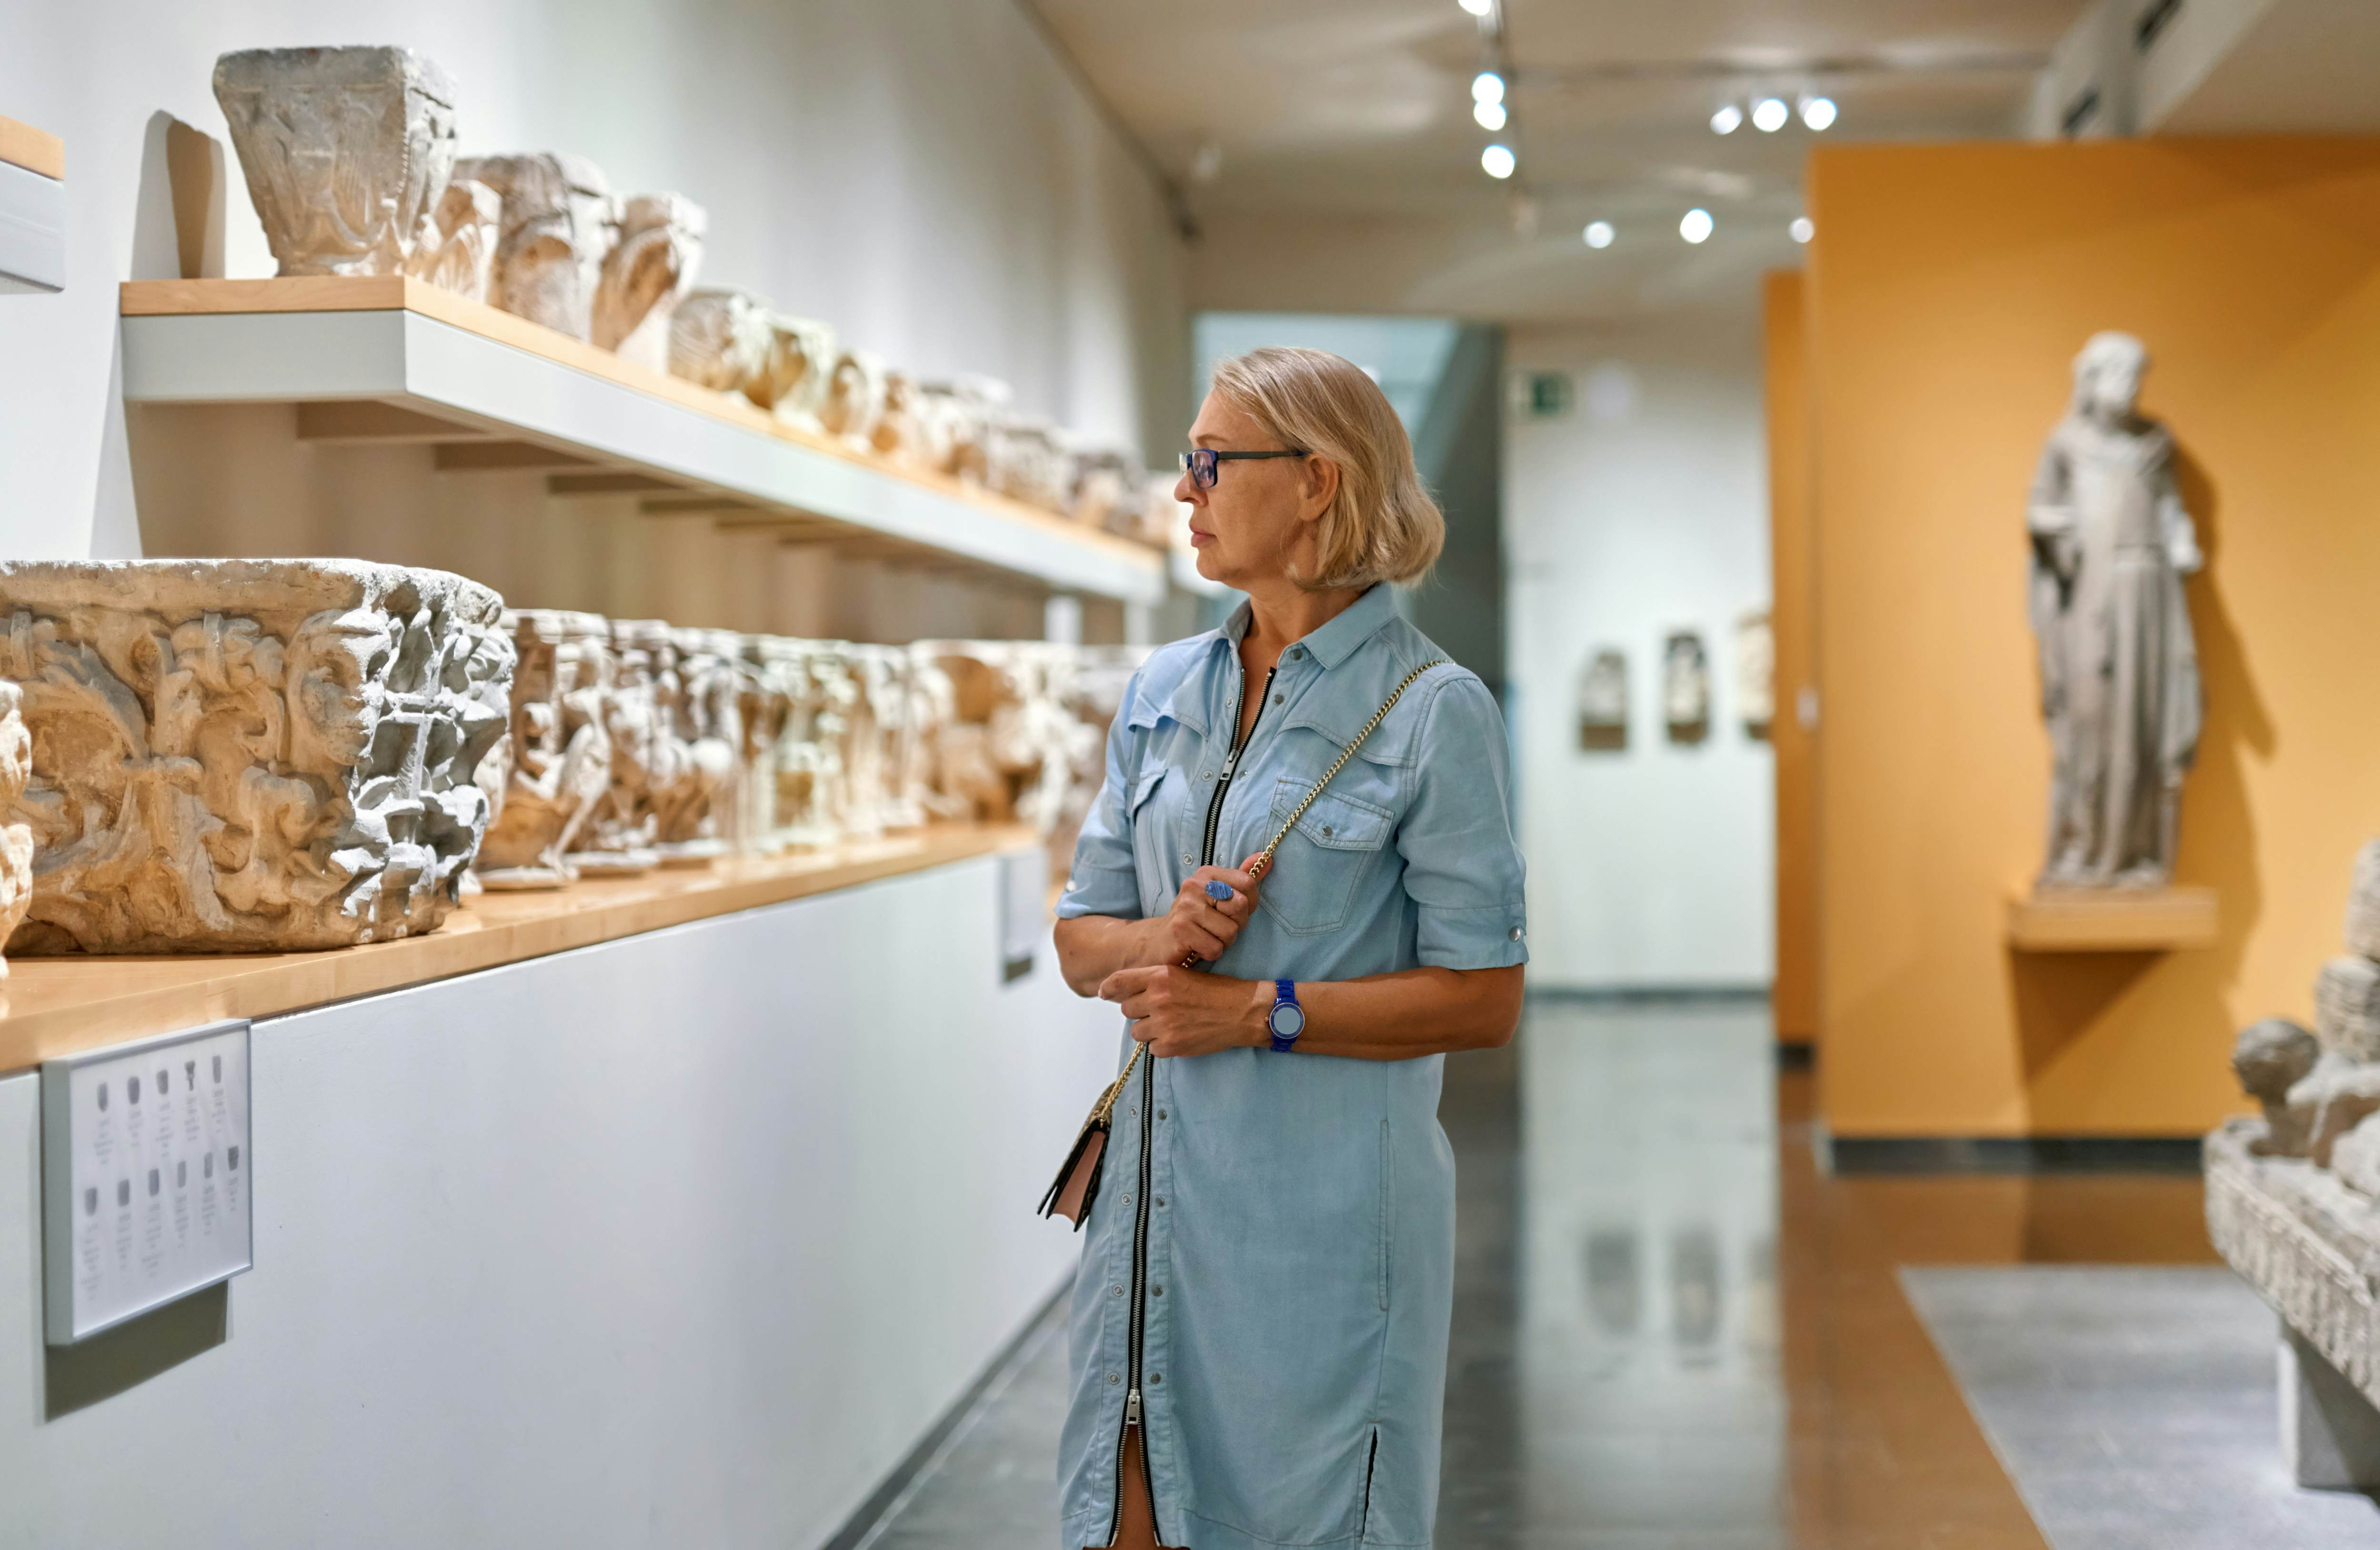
{"x": 2119, "y": 667}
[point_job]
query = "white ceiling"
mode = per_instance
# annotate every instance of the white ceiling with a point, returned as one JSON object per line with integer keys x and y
{"x": 1355, "y": 115}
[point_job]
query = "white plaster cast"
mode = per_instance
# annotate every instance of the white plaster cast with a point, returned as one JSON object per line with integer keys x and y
{"x": 2119, "y": 687}
{"x": 1685, "y": 685}
{"x": 347, "y": 152}
{"x": 721, "y": 339}
{"x": 646, "y": 276}
{"x": 855, "y": 396}
{"x": 250, "y": 754}
{"x": 802, "y": 358}
{"x": 560, "y": 223}
{"x": 562, "y": 749}
{"x": 467, "y": 224}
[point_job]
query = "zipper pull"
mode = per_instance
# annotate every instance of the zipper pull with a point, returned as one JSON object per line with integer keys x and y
{"x": 1132, "y": 1408}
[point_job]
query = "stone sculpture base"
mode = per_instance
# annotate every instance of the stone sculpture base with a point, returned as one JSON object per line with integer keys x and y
{"x": 2330, "y": 1433}
{"x": 2112, "y": 920}
{"x": 613, "y": 864}
{"x": 524, "y": 879}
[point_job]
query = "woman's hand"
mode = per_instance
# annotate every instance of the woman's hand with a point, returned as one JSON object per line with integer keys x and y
{"x": 1179, "y": 1011}
{"x": 1201, "y": 927}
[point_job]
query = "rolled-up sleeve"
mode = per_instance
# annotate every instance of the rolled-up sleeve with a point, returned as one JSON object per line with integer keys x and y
{"x": 1462, "y": 868}
{"x": 1103, "y": 881}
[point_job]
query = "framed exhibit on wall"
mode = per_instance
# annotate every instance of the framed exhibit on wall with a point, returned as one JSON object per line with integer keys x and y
{"x": 1686, "y": 686}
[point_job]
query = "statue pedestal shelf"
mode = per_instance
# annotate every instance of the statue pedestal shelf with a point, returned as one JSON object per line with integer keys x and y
{"x": 2112, "y": 920}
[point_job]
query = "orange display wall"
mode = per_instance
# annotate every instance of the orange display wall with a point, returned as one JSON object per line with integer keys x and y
{"x": 1793, "y": 994}
{"x": 1950, "y": 288}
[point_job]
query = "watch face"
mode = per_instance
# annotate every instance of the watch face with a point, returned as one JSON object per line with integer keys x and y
{"x": 1288, "y": 1019}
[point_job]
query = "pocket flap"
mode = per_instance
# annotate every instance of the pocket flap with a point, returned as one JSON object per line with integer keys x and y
{"x": 1334, "y": 822}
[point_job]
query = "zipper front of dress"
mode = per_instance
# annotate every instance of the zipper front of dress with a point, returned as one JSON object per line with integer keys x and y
{"x": 1135, "y": 1325}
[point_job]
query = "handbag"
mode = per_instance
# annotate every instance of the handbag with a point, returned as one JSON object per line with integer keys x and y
{"x": 1077, "y": 1185}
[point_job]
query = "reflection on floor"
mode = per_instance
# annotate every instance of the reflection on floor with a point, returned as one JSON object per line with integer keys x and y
{"x": 2134, "y": 1404}
{"x": 1670, "y": 1329}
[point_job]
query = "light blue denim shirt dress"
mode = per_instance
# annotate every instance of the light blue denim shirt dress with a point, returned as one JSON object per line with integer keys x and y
{"x": 1275, "y": 1233}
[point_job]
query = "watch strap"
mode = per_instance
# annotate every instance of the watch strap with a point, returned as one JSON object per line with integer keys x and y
{"x": 1284, "y": 993}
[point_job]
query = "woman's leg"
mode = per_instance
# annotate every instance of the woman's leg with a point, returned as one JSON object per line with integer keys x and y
{"x": 1137, "y": 1529}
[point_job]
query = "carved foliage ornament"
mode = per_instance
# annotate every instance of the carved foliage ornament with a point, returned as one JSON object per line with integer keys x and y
{"x": 250, "y": 754}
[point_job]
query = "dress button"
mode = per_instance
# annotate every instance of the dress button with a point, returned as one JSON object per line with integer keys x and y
{"x": 1296, "y": 652}
{"x": 1185, "y": 859}
{"x": 1161, "y": 1113}
{"x": 1156, "y": 1378}
{"x": 1115, "y": 1291}
{"x": 1159, "y": 1202}
{"x": 1157, "y": 1291}
{"x": 1115, "y": 1378}
{"x": 1127, "y": 1199}
{"x": 1276, "y": 699}
{"x": 1517, "y": 934}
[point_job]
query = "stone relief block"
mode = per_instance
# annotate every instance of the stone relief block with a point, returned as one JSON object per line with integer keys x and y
{"x": 766, "y": 674}
{"x": 2355, "y": 1157}
{"x": 2363, "y": 903}
{"x": 2347, "y": 1007}
{"x": 250, "y": 754}
{"x": 902, "y": 430}
{"x": 854, "y": 397}
{"x": 562, "y": 750}
{"x": 801, "y": 363}
{"x": 560, "y": 223}
{"x": 701, "y": 690}
{"x": 1686, "y": 686}
{"x": 466, "y": 221}
{"x": 1755, "y": 672}
{"x": 721, "y": 339}
{"x": 16, "y": 837}
{"x": 617, "y": 838}
{"x": 347, "y": 152}
{"x": 2271, "y": 1059}
{"x": 646, "y": 276}
{"x": 1103, "y": 489}
{"x": 1603, "y": 700}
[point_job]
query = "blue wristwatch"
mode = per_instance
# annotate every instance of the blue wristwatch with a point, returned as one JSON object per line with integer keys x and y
{"x": 1287, "y": 1018}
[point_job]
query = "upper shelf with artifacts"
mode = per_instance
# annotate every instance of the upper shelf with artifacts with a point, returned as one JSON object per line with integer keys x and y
{"x": 399, "y": 357}
{"x": 32, "y": 209}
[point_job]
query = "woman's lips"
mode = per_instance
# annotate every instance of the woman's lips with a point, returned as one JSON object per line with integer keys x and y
{"x": 1200, "y": 540}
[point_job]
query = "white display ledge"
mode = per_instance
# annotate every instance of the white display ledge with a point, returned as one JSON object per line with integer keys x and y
{"x": 400, "y": 342}
{"x": 32, "y": 209}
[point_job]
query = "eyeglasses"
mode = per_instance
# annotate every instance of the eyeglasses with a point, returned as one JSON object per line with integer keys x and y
{"x": 1201, "y": 465}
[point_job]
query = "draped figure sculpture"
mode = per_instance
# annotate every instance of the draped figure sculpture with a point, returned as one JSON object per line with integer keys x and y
{"x": 2120, "y": 688}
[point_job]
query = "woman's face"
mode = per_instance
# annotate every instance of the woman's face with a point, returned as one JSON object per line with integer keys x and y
{"x": 1257, "y": 520}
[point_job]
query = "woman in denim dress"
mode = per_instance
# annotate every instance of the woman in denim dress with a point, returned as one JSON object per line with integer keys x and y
{"x": 1259, "y": 1319}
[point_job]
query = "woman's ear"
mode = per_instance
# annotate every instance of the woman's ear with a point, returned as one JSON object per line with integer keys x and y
{"x": 1317, "y": 487}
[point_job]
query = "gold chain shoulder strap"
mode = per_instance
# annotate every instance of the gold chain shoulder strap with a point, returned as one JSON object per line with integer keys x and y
{"x": 1262, "y": 863}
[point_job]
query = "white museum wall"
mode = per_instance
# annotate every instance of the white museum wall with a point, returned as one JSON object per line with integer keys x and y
{"x": 682, "y": 1239}
{"x": 932, "y": 179}
{"x": 1641, "y": 511}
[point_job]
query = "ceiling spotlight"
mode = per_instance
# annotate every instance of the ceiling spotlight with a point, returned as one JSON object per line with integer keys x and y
{"x": 1487, "y": 87}
{"x": 1490, "y": 115}
{"x": 1728, "y": 119}
{"x": 1599, "y": 234}
{"x": 1802, "y": 229}
{"x": 1696, "y": 226}
{"x": 1769, "y": 114}
{"x": 1497, "y": 160}
{"x": 1818, "y": 112}
{"x": 1478, "y": 8}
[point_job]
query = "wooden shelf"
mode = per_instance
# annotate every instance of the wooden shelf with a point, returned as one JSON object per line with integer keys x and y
{"x": 55, "y": 1006}
{"x": 2113, "y": 920}
{"x": 481, "y": 374}
{"x": 32, "y": 209}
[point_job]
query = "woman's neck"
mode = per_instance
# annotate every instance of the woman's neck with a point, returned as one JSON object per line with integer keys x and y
{"x": 1283, "y": 611}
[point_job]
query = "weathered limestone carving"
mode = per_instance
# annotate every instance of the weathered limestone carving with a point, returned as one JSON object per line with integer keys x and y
{"x": 1103, "y": 489}
{"x": 562, "y": 749}
{"x": 1755, "y": 672}
{"x": 346, "y": 152}
{"x": 2347, "y": 1007}
{"x": 2293, "y": 1198}
{"x": 1686, "y": 686}
{"x": 855, "y": 396}
{"x": 2119, "y": 684}
{"x": 16, "y": 838}
{"x": 802, "y": 359}
{"x": 617, "y": 840}
{"x": 1603, "y": 700}
{"x": 701, "y": 690}
{"x": 250, "y": 754}
{"x": 560, "y": 223}
{"x": 1092, "y": 686}
{"x": 2363, "y": 903}
{"x": 903, "y": 431}
{"x": 466, "y": 221}
{"x": 647, "y": 276}
{"x": 721, "y": 339}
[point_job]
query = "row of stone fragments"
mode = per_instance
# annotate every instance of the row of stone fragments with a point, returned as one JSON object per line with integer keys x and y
{"x": 227, "y": 755}
{"x": 350, "y": 156}
{"x": 2293, "y": 1197}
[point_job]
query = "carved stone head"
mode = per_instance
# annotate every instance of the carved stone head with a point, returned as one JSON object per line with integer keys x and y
{"x": 2272, "y": 1057}
{"x": 2107, "y": 377}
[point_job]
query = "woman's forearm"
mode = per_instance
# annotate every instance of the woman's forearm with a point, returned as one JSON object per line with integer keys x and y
{"x": 1091, "y": 948}
{"x": 1411, "y": 1013}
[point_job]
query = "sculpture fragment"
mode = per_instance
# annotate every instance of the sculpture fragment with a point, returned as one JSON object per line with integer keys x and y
{"x": 347, "y": 152}
{"x": 802, "y": 359}
{"x": 646, "y": 276}
{"x": 562, "y": 750}
{"x": 560, "y": 223}
{"x": 1603, "y": 700}
{"x": 250, "y": 754}
{"x": 1686, "y": 686}
{"x": 15, "y": 837}
{"x": 466, "y": 221}
{"x": 721, "y": 339}
{"x": 854, "y": 397}
{"x": 2120, "y": 686}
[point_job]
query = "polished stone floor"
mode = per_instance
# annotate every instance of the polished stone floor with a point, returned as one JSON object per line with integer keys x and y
{"x": 1670, "y": 1332}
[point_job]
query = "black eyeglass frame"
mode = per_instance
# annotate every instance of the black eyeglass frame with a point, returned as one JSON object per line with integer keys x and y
{"x": 1204, "y": 464}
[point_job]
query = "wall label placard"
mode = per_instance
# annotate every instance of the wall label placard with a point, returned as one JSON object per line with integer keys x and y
{"x": 146, "y": 1164}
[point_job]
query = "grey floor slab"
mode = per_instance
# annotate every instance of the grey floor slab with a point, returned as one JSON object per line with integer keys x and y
{"x": 2134, "y": 1408}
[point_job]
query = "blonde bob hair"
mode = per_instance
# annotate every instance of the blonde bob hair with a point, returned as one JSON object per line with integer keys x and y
{"x": 1382, "y": 526}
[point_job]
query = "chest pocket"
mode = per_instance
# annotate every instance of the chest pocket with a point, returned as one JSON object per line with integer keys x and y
{"x": 1155, "y": 816}
{"x": 1333, "y": 847}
